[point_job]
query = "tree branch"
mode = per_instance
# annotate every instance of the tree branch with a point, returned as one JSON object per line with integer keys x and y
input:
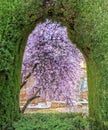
{"x": 28, "y": 76}
{"x": 29, "y": 100}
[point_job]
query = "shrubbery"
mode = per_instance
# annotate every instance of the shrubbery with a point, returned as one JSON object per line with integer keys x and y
{"x": 52, "y": 121}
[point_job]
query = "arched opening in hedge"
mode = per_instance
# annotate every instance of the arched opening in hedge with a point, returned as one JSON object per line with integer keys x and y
{"x": 53, "y": 70}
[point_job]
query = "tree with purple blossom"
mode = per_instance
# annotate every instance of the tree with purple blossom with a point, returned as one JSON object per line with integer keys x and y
{"x": 54, "y": 63}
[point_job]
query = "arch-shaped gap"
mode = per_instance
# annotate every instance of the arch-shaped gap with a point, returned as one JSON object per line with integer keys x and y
{"x": 51, "y": 59}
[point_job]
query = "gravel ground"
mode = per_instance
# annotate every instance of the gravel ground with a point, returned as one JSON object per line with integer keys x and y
{"x": 83, "y": 109}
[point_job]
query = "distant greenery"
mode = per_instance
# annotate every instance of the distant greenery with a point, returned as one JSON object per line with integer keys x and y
{"x": 51, "y": 121}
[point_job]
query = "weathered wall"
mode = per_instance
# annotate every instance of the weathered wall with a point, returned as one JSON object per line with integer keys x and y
{"x": 88, "y": 28}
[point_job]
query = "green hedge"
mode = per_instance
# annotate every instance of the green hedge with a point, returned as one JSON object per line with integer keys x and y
{"x": 51, "y": 121}
{"x": 87, "y": 23}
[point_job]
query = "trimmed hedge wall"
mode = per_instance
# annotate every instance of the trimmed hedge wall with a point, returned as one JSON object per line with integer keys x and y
{"x": 87, "y": 23}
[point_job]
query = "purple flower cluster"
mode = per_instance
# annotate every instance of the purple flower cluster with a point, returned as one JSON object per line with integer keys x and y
{"x": 54, "y": 62}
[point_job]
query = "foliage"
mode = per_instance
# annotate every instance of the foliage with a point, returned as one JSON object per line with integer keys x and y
{"x": 87, "y": 22}
{"x": 52, "y": 121}
{"x": 13, "y": 22}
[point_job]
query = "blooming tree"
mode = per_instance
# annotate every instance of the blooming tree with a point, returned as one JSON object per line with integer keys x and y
{"x": 54, "y": 63}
